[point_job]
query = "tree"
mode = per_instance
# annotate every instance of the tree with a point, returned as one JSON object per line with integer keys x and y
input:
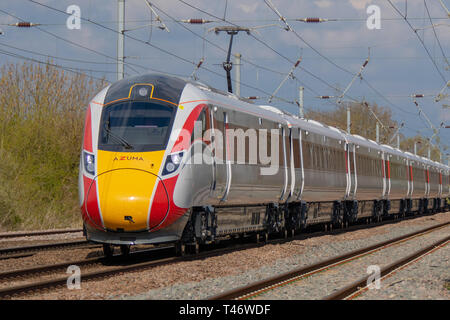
{"x": 363, "y": 123}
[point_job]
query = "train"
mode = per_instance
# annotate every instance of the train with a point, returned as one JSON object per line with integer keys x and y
{"x": 167, "y": 160}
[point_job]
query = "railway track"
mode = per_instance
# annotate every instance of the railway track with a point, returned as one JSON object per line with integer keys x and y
{"x": 118, "y": 258}
{"x": 6, "y": 235}
{"x": 359, "y": 286}
{"x": 135, "y": 261}
{"x": 115, "y": 266}
{"x": 6, "y": 253}
{"x": 13, "y": 252}
{"x": 132, "y": 263}
{"x": 254, "y": 289}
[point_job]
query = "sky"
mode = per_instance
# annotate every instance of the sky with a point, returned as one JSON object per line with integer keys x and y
{"x": 332, "y": 52}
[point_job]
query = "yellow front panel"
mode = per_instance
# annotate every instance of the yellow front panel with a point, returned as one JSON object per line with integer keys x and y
{"x": 125, "y": 186}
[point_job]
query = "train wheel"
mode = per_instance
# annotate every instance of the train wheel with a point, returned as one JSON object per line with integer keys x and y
{"x": 108, "y": 250}
{"x": 197, "y": 247}
{"x": 180, "y": 249}
{"x": 125, "y": 249}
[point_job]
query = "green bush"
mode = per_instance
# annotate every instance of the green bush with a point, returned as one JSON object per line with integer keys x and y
{"x": 41, "y": 125}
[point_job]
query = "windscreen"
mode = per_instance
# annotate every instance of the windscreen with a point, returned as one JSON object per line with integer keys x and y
{"x": 136, "y": 126}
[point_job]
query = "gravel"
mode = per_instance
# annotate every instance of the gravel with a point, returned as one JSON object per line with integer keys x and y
{"x": 325, "y": 283}
{"x": 428, "y": 278}
{"x": 201, "y": 279}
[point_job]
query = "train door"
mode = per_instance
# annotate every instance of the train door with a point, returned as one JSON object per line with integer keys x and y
{"x": 386, "y": 175}
{"x": 299, "y": 163}
{"x": 284, "y": 161}
{"x": 388, "y": 171}
{"x": 348, "y": 172}
{"x": 352, "y": 171}
{"x": 408, "y": 177}
{"x": 291, "y": 162}
{"x": 218, "y": 159}
{"x": 227, "y": 156}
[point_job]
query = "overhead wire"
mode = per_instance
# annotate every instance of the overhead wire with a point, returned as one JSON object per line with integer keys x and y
{"x": 56, "y": 57}
{"x": 225, "y": 51}
{"x": 267, "y": 46}
{"x": 290, "y": 60}
{"x": 421, "y": 41}
{"x": 128, "y": 64}
{"x": 165, "y": 51}
{"x": 69, "y": 69}
{"x": 435, "y": 34}
{"x": 194, "y": 63}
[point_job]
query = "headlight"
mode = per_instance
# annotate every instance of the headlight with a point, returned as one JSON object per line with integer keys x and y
{"x": 172, "y": 162}
{"x": 89, "y": 163}
{"x": 176, "y": 158}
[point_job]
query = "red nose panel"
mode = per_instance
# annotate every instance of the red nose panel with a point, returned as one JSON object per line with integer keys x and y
{"x": 91, "y": 213}
{"x": 160, "y": 206}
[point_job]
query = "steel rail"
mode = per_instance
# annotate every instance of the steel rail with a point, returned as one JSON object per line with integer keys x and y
{"x": 82, "y": 262}
{"x": 357, "y": 287}
{"x": 20, "y": 289}
{"x": 36, "y": 233}
{"x": 38, "y": 247}
{"x": 112, "y": 270}
{"x": 255, "y": 288}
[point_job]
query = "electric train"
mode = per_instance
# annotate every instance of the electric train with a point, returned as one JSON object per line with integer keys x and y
{"x": 168, "y": 160}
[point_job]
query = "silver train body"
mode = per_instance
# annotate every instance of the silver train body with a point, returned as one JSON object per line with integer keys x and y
{"x": 242, "y": 182}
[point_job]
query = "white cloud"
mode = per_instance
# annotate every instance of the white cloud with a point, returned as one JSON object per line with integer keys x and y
{"x": 360, "y": 4}
{"x": 323, "y": 3}
{"x": 248, "y": 8}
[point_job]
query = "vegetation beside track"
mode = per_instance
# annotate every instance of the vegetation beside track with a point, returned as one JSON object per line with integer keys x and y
{"x": 41, "y": 123}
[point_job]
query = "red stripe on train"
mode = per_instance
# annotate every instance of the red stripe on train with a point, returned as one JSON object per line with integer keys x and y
{"x": 90, "y": 209}
{"x": 184, "y": 138}
{"x": 161, "y": 206}
{"x": 87, "y": 142}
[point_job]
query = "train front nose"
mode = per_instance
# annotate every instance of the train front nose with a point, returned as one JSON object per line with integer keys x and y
{"x": 126, "y": 198}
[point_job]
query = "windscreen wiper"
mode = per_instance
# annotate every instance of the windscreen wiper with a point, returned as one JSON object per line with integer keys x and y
{"x": 120, "y": 139}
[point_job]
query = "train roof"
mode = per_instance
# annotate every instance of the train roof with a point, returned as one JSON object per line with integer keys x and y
{"x": 361, "y": 141}
{"x": 164, "y": 87}
{"x": 170, "y": 88}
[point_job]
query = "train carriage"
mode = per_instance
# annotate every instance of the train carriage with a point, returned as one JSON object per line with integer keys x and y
{"x": 171, "y": 160}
